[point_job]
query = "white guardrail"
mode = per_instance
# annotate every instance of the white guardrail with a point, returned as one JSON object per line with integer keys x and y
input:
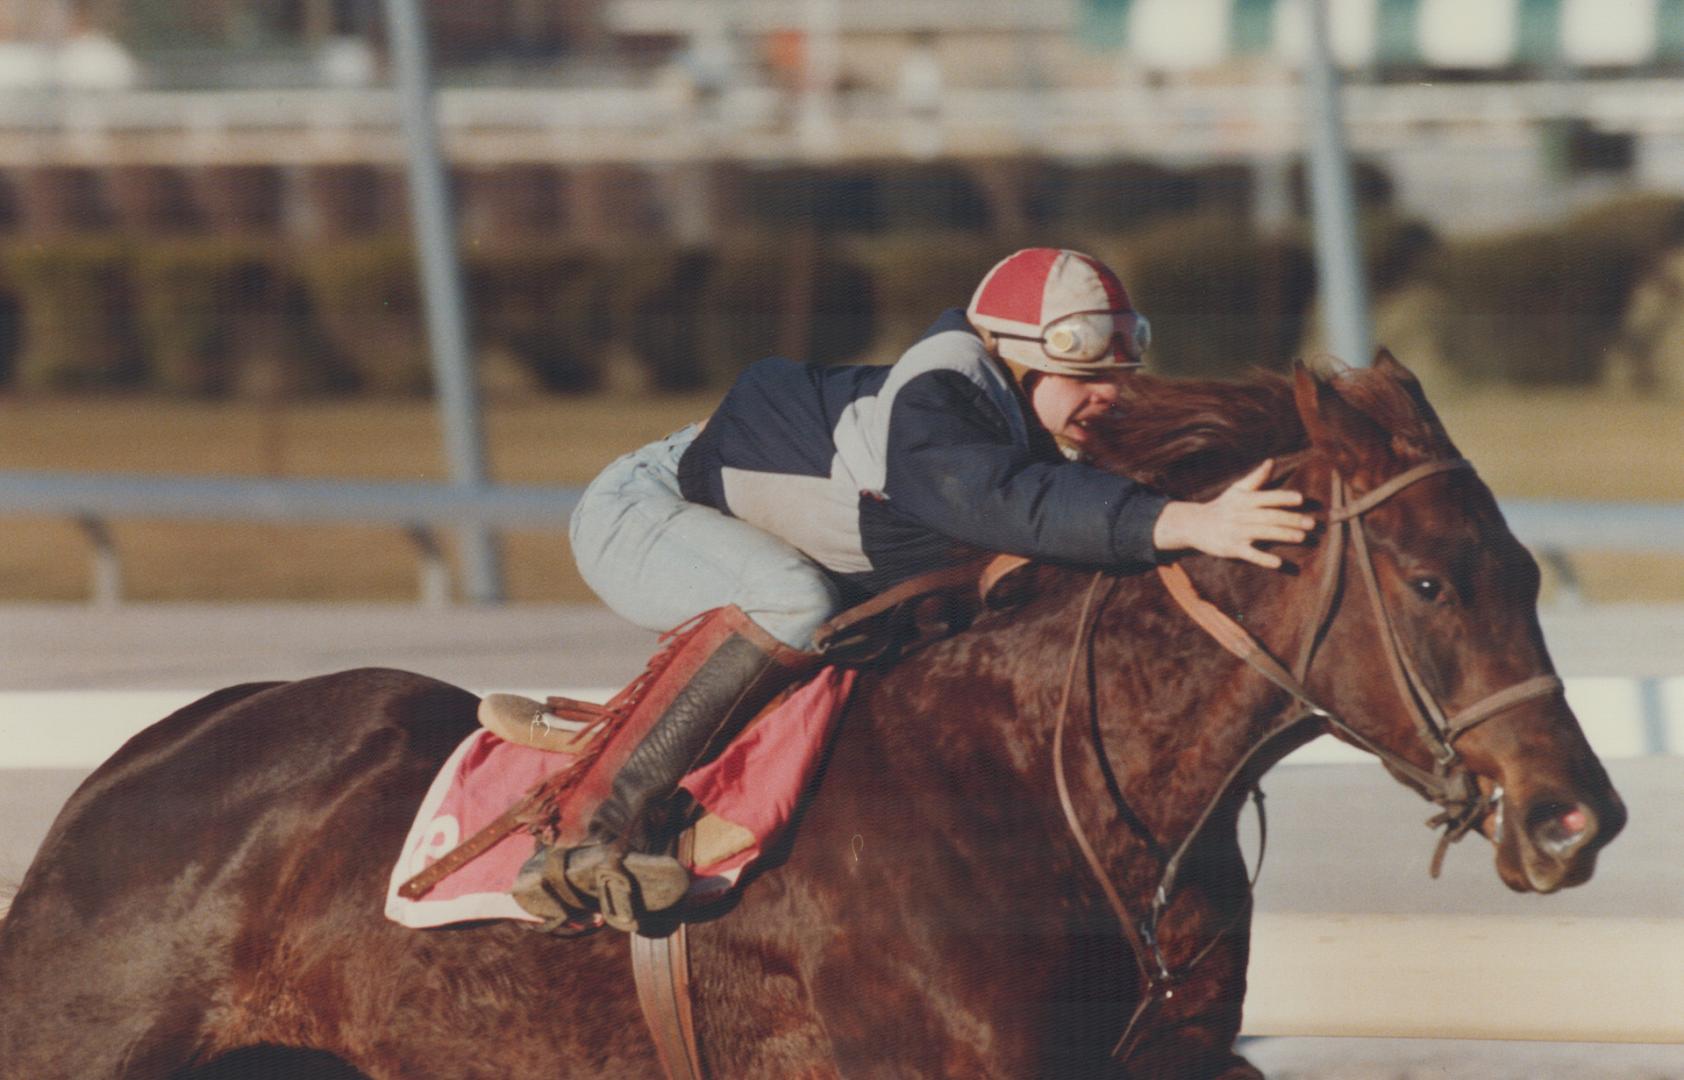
{"x": 1553, "y": 528}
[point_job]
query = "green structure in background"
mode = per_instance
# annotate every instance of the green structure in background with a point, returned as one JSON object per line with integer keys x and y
{"x": 1669, "y": 29}
{"x": 1251, "y": 29}
{"x": 1105, "y": 23}
{"x": 1395, "y": 26}
{"x": 1538, "y": 33}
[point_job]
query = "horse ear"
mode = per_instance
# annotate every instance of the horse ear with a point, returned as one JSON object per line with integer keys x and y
{"x": 1430, "y": 431}
{"x": 1333, "y": 425}
{"x": 1393, "y": 367}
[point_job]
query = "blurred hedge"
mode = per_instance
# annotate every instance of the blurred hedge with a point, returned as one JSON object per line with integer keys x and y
{"x": 222, "y": 317}
{"x": 1545, "y": 306}
{"x": 887, "y": 198}
{"x": 915, "y": 277}
{"x": 365, "y": 298}
{"x": 657, "y": 309}
{"x": 548, "y": 306}
{"x": 1396, "y": 252}
{"x": 1222, "y": 298}
{"x": 211, "y": 318}
{"x": 77, "y": 315}
{"x": 1108, "y": 197}
{"x": 795, "y": 297}
{"x": 11, "y": 333}
{"x": 184, "y": 296}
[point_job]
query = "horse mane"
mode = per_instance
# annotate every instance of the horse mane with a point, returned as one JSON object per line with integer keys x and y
{"x": 1182, "y": 436}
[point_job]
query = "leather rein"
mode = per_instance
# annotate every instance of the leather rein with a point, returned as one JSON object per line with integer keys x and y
{"x": 1450, "y": 783}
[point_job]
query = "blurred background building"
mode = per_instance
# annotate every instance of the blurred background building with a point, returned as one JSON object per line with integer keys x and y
{"x": 573, "y": 114}
{"x": 205, "y": 197}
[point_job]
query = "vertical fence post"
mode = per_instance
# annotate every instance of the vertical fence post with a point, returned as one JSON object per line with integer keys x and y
{"x": 433, "y": 576}
{"x": 441, "y": 279}
{"x": 1339, "y": 267}
{"x": 106, "y": 587}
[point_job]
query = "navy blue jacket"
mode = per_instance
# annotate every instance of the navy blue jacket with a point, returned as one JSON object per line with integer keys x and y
{"x": 882, "y": 473}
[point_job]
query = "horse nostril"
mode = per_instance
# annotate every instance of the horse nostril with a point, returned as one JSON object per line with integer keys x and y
{"x": 1558, "y": 827}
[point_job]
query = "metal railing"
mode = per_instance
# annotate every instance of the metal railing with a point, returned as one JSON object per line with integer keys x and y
{"x": 419, "y": 509}
{"x": 1553, "y": 528}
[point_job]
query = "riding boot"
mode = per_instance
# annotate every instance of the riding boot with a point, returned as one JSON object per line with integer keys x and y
{"x": 718, "y": 677}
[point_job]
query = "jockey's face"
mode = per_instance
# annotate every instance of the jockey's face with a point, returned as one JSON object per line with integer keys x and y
{"x": 1066, "y": 405}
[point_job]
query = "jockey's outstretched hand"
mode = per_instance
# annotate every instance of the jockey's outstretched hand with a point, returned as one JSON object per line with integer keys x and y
{"x": 1233, "y": 523}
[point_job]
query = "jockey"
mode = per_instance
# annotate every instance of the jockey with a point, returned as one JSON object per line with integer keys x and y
{"x": 812, "y": 488}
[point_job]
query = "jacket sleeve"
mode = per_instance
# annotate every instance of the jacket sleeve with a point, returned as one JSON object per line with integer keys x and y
{"x": 952, "y": 467}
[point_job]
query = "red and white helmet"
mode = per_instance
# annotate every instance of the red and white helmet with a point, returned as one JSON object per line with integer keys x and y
{"x": 1060, "y": 312}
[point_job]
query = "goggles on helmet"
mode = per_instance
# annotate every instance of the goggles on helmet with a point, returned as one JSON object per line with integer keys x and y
{"x": 1089, "y": 342}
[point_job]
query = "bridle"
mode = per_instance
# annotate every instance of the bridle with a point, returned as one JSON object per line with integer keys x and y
{"x": 1450, "y": 783}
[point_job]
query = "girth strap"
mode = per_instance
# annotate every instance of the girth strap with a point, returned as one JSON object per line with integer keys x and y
{"x": 661, "y": 969}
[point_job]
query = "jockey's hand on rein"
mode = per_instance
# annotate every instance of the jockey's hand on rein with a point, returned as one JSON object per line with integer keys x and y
{"x": 1233, "y": 523}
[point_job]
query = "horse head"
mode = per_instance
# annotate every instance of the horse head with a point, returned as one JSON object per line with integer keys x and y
{"x": 1432, "y": 651}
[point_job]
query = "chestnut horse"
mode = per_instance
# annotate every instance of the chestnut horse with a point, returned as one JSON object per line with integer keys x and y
{"x": 210, "y": 901}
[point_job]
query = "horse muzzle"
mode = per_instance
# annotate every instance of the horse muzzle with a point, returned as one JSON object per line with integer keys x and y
{"x": 1548, "y": 841}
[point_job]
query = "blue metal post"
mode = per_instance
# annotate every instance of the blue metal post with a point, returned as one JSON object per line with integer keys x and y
{"x": 441, "y": 279}
{"x": 1339, "y": 266}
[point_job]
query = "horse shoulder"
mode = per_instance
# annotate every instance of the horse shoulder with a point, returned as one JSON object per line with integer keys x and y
{"x": 889, "y": 933}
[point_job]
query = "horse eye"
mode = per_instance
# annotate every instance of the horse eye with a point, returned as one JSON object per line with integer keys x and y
{"x": 1427, "y": 588}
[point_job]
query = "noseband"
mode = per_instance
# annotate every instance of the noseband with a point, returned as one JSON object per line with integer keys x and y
{"x": 1450, "y": 783}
